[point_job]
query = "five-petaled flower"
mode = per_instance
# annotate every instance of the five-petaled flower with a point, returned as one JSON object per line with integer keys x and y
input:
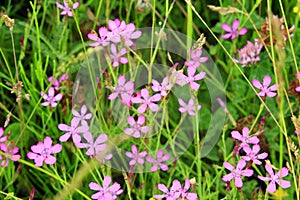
{"x": 196, "y": 59}
{"x": 73, "y": 130}
{"x": 41, "y": 152}
{"x": 244, "y": 138}
{"x": 137, "y": 128}
{"x": 103, "y": 38}
{"x": 82, "y": 116}
{"x": 66, "y": 9}
{"x": 146, "y": 101}
{"x": 233, "y": 32}
{"x": 159, "y": 161}
{"x": 190, "y": 107}
{"x": 171, "y": 194}
{"x": 183, "y": 191}
{"x": 106, "y": 192}
{"x": 237, "y": 173}
{"x": 51, "y": 98}
{"x": 117, "y": 56}
{"x": 94, "y": 147}
{"x": 191, "y": 78}
{"x": 163, "y": 88}
{"x": 125, "y": 90}
{"x": 275, "y": 178}
{"x": 252, "y": 154}
{"x": 11, "y": 152}
{"x": 264, "y": 87}
{"x": 136, "y": 156}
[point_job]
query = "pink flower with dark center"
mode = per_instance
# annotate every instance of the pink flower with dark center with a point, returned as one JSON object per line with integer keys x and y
{"x": 66, "y": 9}
{"x": 252, "y": 154}
{"x": 136, "y": 156}
{"x": 189, "y": 107}
{"x": 169, "y": 195}
{"x": 249, "y": 54}
{"x": 275, "y": 178}
{"x": 51, "y": 98}
{"x": 196, "y": 59}
{"x": 103, "y": 38}
{"x": 137, "y": 129}
{"x": 41, "y": 152}
{"x": 2, "y": 139}
{"x": 94, "y": 147}
{"x": 163, "y": 88}
{"x": 106, "y": 192}
{"x": 12, "y": 154}
{"x": 82, "y": 116}
{"x": 264, "y": 87}
{"x": 244, "y": 139}
{"x": 117, "y": 56}
{"x": 146, "y": 101}
{"x": 159, "y": 161}
{"x": 234, "y": 31}
{"x": 191, "y": 78}
{"x": 237, "y": 173}
{"x": 73, "y": 131}
{"x": 125, "y": 90}
{"x": 184, "y": 194}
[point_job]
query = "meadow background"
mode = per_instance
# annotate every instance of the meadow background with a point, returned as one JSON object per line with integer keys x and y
{"x": 37, "y": 42}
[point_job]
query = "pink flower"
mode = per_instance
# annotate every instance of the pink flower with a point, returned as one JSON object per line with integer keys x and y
{"x": 264, "y": 87}
{"x": 66, "y": 9}
{"x": 252, "y": 154}
{"x": 136, "y": 156}
{"x": 169, "y": 195}
{"x": 298, "y": 77}
{"x": 244, "y": 139}
{"x": 130, "y": 34}
{"x": 196, "y": 59}
{"x": 189, "y": 108}
{"x": 57, "y": 83}
{"x": 50, "y": 98}
{"x": 275, "y": 178}
{"x": 191, "y": 78}
{"x": 94, "y": 147}
{"x": 103, "y": 38}
{"x": 117, "y": 56}
{"x": 116, "y": 27}
{"x": 82, "y": 116}
{"x": 2, "y": 139}
{"x": 159, "y": 161}
{"x": 237, "y": 173}
{"x": 106, "y": 192}
{"x": 73, "y": 130}
{"x": 12, "y": 154}
{"x": 163, "y": 88}
{"x": 125, "y": 90}
{"x": 183, "y": 191}
{"x": 137, "y": 129}
{"x": 41, "y": 152}
{"x": 146, "y": 101}
{"x": 249, "y": 54}
{"x": 234, "y": 31}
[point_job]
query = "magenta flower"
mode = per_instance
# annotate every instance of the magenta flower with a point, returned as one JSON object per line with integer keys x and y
{"x": 66, "y": 9}
{"x": 264, "y": 87}
{"x": 117, "y": 28}
{"x": 2, "y": 139}
{"x": 234, "y": 31}
{"x": 106, "y": 192}
{"x": 163, "y": 88}
{"x": 184, "y": 194}
{"x": 82, "y": 116}
{"x": 159, "y": 161}
{"x": 189, "y": 108}
{"x": 103, "y": 38}
{"x": 57, "y": 83}
{"x": 275, "y": 178}
{"x": 125, "y": 90}
{"x": 244, "y": 139}
{"x": 41, "y": 152}
{"x": 249, "y": 54}
{"x": 50, "y": 98}
{"x": 191, "y": 78}
{"x": 12, "y": 154}
{"x": 169, "y": 195}
{"x": 130, "y": 34}
{"x": 136, "y": 156}
{"x": 73, "y": 131}
{"x": 136, "y": 129}
{"x": 94, "y": 147}
{"x": 237, "y": 173}
{"x": 117, "y": 56}
{"x": 196, "y": 59}
{"x": 146, "y": 101}
{"x": 252, "y": 154}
